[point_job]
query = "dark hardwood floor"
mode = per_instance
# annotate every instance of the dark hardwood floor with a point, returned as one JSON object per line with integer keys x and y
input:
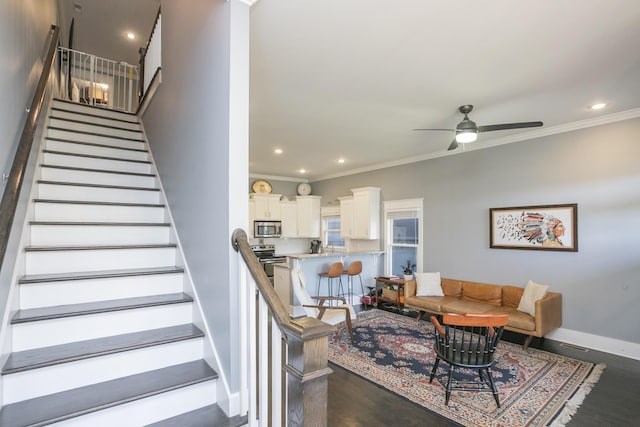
{"x": 614, "y": 401}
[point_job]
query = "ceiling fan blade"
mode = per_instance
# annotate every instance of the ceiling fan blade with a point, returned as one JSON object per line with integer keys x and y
{"x": 453, "y": 146}
{"x": 449, "y": 130}
{"x": 506, "y": 126}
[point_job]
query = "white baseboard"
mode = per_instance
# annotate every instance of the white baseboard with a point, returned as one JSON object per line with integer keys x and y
{"x": 597, "y": 342}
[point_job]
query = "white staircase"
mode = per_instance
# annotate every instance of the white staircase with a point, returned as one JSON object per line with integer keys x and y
{"x": 104, "y": 335}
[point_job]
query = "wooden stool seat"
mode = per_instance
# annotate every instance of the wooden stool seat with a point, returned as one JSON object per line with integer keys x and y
{"x": 334, "y": 272}
{"x": 354, "y": 269}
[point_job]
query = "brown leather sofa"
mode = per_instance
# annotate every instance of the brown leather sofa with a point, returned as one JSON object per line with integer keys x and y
{"x": 463, "y": 297}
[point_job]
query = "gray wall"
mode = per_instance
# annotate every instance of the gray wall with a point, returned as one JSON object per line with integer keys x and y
{"x": 598, "y": 168}
{"x": 187, "y": 124}
{"x": 24, "y": 26}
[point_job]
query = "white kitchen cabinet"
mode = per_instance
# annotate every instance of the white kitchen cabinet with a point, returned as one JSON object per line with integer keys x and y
{"x": 266, "y": 206}
{"x": 366, "y": 213}
{"x": 289, "y": 218}
{"x": 346, "y": 216}
{"x": 252, "y": 217}
{"x": 282, "y": 283}
{"x": 360, "y": 214}
{"x": 308, "y": 214}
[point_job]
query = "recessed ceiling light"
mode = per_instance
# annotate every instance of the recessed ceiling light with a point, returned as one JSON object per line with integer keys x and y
{"x": 131, "y": 36}
{"x": 341, "y": 161}
{"x": 598, "y": 106}
{"x": 278, "y": 151}
{"x": 302, "y": 171}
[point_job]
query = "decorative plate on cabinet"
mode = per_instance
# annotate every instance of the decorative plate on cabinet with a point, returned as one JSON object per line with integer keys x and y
{"x": 261, "y": 186}
{"x": 304, "y": 189}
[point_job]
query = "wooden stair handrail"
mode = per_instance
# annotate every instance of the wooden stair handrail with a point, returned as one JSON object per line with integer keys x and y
{"x": 15, "y": 180}
{"x": 307, "y": 347}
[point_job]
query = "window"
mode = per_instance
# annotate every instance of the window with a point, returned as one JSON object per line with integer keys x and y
{"x": 403, "y": 240}
{"x": 331, "y": 229}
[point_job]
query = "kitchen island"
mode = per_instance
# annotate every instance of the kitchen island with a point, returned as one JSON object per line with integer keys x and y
{"x": 313, "y": 264}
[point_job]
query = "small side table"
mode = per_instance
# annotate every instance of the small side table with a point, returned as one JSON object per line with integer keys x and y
{"x": 396, "y": 282}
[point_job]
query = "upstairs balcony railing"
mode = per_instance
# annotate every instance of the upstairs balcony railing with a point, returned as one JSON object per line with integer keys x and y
{"x": 90, "y": 79}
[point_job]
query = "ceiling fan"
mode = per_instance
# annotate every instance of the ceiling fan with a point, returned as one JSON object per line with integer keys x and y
{"x": 467, "y": 130}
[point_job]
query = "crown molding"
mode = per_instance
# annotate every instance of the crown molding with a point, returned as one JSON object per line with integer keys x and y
{"x": 538, "y": 133}
{"x": 277, "y": 178}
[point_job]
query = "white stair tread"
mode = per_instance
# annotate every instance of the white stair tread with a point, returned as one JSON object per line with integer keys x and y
{"x": 96, "y": 144}
{"x": 94, "y": 134}
{"x": 90, "y": 156}
{"x": 72, "y": 403}
{"x": 47, "y": 356}
{"x": 86, "y": 122}
{"x": 74, "y": 168}
{"x": 59, "y": 311}
{"x": 82, "y": 202}
{"x": 114, "y": 187}
{"x": 96, "y": 247}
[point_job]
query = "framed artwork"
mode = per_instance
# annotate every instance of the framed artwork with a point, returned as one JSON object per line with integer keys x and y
{"x": 547, "y": 227}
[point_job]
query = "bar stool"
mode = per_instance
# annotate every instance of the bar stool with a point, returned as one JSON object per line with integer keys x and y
{"x": 354, "y": 269}
{"x": 334, "y": 272}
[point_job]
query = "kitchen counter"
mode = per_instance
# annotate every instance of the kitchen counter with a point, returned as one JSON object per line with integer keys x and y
{"x": 313, "y": 264}
{"x": 340, "y": 254}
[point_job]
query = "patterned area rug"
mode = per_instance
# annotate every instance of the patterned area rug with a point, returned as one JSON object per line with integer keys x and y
{"x": 536, "y": 388}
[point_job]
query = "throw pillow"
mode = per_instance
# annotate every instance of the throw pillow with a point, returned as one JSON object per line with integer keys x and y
{"x": 428, "y": 285}
{"x": 532, "y": 293}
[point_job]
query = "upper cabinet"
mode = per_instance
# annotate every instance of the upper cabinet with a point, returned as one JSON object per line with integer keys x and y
{"x": 360, "y": 214}
{"x": 308, "y": 216}
{"x": 289, "y": 215}
{"x": 266, "y": 206}
{"x": 346, "y": 216}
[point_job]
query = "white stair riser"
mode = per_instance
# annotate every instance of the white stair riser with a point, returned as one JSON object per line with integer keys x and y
{"x": 52, "y": 235}
{"x": 95, "y": 111}
{"x": 95, "y": 163}
{"x": 44, "y": 333}
{"x": 47, "y": 262}
{"x": 95, "y": 150}
{"x": 79, "y": 212}
{"x": 96, "y": 194}
{"x": 94, "y": 119}
{"x": 65, "y": 376}
{"x": 96, "y": 139}
{"x": 97, "y": 129}
{"x": 34, "y": 295}
{"x": 149, "y": 410}
{"x": 105, "y": 178}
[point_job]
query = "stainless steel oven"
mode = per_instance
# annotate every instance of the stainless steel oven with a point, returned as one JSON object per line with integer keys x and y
{"x": 266, "y": 254}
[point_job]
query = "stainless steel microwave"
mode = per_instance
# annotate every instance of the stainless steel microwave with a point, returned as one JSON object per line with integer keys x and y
{"x": 267, "y": 228}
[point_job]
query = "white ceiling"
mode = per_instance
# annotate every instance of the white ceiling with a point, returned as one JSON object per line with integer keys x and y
{"x": 351, "y": 78}
{"x": 101, "y": 25}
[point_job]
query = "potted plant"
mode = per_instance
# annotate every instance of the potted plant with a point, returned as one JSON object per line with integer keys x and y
{"x": 408, "y": 270}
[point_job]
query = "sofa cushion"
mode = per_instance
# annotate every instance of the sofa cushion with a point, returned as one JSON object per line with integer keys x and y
{"x": 452, "y": 288}
{"x": 409, "y": 287}
{"x": 463, "y": 306}
{"x": 429, "y": 304}
{"x": 517, "y": 319}
{"x": 532, "y": 293}
{"x": 482, "y": 292}
{"x": 511, "y": 296}
{"x": 428, "y": 285}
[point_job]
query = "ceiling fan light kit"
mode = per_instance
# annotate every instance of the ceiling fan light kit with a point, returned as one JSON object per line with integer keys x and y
{"x": 466, "y": 136}
{"x": 467, "y": 130}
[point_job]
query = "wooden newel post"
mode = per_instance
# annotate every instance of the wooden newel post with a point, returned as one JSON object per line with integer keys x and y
{"x": 307, "y": 372}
